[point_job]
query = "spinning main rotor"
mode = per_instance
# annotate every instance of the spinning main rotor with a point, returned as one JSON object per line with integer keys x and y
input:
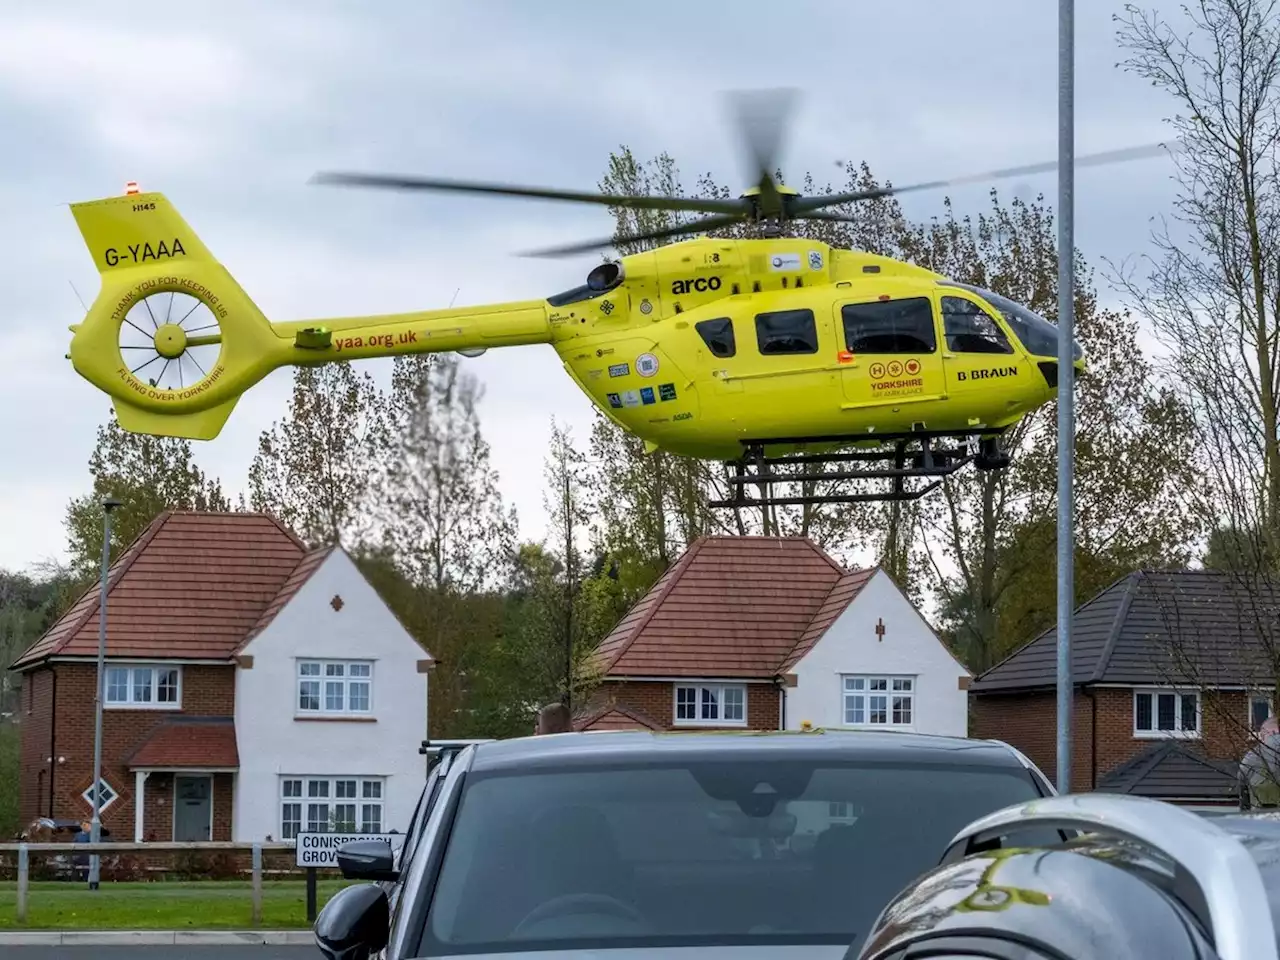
{"x": 761, "y": 118}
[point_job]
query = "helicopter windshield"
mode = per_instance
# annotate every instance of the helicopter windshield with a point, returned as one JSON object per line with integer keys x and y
{"x": 1037, "y": 334}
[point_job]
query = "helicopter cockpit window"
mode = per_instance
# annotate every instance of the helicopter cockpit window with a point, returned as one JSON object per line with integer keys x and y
{"x": 717, "y": 335}
{"x": 1037, "y": 334}
{"x": 889, "y": 326}
{"x": 969, "y": 329}
{"x": 787, "y": 331}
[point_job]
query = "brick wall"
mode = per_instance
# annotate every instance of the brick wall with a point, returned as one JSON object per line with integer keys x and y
{"x": 36, "y": 710}
{"x": 206, "y": 691}
{"x": 656, "y": 699}
{"x": 1028, "y": 721}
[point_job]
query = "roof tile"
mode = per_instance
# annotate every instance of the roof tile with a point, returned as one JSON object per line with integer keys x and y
{"x": 732, "y": 607}
{"x": 192, "y": 585}
{"x": 189, "y": 742}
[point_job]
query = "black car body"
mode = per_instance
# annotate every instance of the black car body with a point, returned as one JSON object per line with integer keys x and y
{"x": 633, "y": 843}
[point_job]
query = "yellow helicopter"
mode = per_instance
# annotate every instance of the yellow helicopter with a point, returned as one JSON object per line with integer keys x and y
{"x": 778, "y": 354}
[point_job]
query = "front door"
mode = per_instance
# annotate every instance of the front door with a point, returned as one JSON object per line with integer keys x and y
{"x": 192, "y": 809}
{"x": 891, "y": 349}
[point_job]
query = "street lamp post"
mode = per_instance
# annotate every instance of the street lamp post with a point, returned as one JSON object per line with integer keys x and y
{"x": 1066, "y": 379}
{"x": 95, "y": 825}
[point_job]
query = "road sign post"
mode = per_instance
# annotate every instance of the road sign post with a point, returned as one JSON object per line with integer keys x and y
{"x": 319, "y": 851}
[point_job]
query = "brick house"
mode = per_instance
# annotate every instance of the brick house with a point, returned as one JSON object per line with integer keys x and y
{"x": 1171, "y": 673}
{"x": 245, "y": 678}
{"x": 767, "y": 633}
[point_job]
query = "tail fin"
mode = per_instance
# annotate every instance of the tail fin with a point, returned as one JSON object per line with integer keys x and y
{"x": 135, "y": 230}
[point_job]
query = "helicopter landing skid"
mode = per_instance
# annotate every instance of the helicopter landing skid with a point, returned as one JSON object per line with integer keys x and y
{"x": 911, "y": 456}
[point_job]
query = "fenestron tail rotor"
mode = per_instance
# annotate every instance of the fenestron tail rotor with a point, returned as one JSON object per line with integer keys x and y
{"x": 761, "y": 118}
{"x": 170, "y": 340}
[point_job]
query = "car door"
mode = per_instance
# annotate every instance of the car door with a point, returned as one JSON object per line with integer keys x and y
{"x": 891, "y": 350}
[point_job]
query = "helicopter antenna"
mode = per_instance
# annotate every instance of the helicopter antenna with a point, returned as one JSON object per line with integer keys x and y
{"x": 78, "y": 297}
{"x": 761, "y": 119}
{"x": 455, "y": 297}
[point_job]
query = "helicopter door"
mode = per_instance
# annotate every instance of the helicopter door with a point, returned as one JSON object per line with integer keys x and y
{"x": 892, "y": 347}
{"x": 980, "y": 358}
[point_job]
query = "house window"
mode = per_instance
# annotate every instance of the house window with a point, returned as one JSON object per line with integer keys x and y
{"x": 106, "y": 795}
{"x": 335, "y": 687}
{"x": 330, "y": 804}
{"x": 714, "y": 703}
{"x": 152, "y": 687}
{"x": 879, "y": 701}
{"x": 1259, "y": 711}
{"x": 1166, "y": 713}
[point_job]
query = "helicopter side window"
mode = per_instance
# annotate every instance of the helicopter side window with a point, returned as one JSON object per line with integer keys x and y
{"x": 787, "y": 331}
{"x": 969, "y": 329}
{"x": 718, "y": 336}
{"x": 890, "y": 326}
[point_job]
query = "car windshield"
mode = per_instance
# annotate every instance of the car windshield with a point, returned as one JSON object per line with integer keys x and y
{"x": 1037, "y": 334}
{"x": 699, "y": 853}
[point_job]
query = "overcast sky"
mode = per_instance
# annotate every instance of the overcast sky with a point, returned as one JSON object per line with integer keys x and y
{"x": 229, "y": 107}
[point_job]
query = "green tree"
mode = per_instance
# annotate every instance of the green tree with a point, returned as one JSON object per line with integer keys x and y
{"x": 148, "y": 475}
{"x": 314, "y": 469}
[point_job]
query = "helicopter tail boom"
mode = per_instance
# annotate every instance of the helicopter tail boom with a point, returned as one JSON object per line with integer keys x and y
{"x": 175, "y": 340}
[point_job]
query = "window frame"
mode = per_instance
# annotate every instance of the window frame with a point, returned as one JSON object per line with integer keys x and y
{"x": 303, "y": 799}
{"x": 1258, "y": 698}
{"x": 131, "y": 669}
{"x": 889, "y": 693}
{"x": 934, "y": 313}
{"x": 1177, "y": 733}
{"x": 323, "y": 680}
{"x": 699, "y": 687}
{"x": 997, "y": 322}
{"x": 813, "y": 320}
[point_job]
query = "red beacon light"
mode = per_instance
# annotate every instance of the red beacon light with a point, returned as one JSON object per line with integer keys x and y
{"x": 131, "y": 188}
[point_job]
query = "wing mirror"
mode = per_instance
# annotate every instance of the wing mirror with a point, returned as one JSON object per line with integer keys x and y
{"x": 355, "y": 924}
{"x": 367, "y": 860}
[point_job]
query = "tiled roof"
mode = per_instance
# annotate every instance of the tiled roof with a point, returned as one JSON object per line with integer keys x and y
{"x": 301, "y": 574}
{"x": 1201, "y": 626}
{"x": 731, "y": 607}
{"x": 189, "y": 742}
{"x": 615, "y": 716}
{"x": 1170, "y": 771}
{"x": 192, "y": 585}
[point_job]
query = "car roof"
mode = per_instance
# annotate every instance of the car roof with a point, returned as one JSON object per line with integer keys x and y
{"x": 658, "y": 747}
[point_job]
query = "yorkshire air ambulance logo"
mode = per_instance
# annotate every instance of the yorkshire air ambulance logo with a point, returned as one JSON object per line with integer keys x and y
{"x": 913, "y": 367}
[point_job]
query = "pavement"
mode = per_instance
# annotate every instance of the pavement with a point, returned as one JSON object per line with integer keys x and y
{"x": 159, "y": 945}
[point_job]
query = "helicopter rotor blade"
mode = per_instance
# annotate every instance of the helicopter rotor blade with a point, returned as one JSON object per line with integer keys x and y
{"x": 800, "y": 207}
{"x": 395, "y": 182}
{"x": 697, "y": 226}
{"x": 762, "y": 117}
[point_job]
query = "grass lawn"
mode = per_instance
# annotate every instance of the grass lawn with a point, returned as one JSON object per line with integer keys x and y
{"x": 199, "y": 905}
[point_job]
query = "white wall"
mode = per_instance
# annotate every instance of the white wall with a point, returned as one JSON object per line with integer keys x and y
{"x": 272, "y": 742}
{"x": 909, "y": 648}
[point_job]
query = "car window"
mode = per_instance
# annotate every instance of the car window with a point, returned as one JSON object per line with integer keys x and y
{"x": 771, "y": 851}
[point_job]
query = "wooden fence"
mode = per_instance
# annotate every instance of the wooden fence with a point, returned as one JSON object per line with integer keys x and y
{"x": 255, "y": 851}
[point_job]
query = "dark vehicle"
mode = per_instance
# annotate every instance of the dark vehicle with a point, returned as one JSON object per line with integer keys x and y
{"x": 636, "y": 843}
{"x": 1142, "y": 879}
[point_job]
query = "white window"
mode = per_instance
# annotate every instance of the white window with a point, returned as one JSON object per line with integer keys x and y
{"x": 106, "y": 795}
{"x": 335, "y": 687}
{"x": 716, "y": 704}
{"x": 1166, "y": 713}
{"x": 138, "y": 686}
{"x": 1259, "y": 711}
{"x": 879, "y": 701}
{"x": 330, "y": 804}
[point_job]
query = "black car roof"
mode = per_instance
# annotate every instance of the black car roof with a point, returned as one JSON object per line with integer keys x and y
{"x": 641, "y": 746}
